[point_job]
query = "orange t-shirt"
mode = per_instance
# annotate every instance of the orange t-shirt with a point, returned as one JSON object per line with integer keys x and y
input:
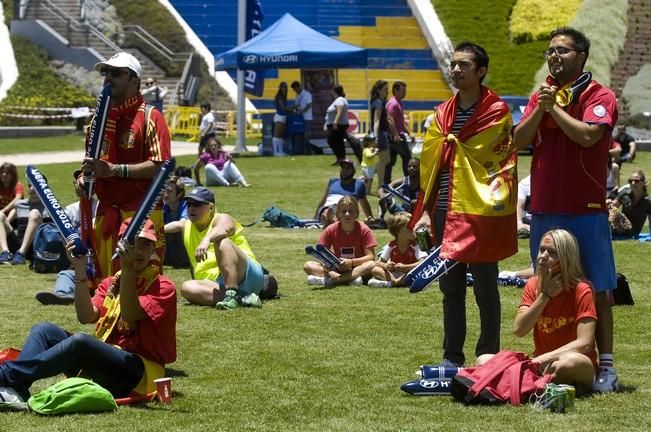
{"x": 556, "y": 326}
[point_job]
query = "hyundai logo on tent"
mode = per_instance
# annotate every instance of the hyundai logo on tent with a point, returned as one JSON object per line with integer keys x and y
{"x": 289, "y": 43}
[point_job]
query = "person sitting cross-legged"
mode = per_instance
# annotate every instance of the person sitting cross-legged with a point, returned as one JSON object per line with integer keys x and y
{"x": 30, "y": 213}
{"x": 135, "y": 334}
{"x": 225, "y": 271}
{"x": 63, "y": 292}
{"x": 399, "y": 256}
{"x": 352, "y": 242}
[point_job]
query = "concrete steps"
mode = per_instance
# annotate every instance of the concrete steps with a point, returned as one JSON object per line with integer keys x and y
{"x": 63, "y": 16}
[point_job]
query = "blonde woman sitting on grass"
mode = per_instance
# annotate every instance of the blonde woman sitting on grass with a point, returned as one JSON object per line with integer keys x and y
{"x": 558, "y": 304}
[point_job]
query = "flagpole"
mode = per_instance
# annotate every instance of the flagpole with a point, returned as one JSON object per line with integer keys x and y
{"x": 240, "y": 145}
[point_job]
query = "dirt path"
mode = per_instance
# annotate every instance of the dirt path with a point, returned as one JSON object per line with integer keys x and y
{"x": 179, "y": 148}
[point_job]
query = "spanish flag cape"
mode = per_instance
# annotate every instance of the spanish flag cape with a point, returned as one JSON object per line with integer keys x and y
{"x": 480, "y": 225}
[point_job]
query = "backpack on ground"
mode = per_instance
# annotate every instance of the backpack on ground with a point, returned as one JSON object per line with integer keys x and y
{"x": 508, "y": 377}
{"x": 280, "y": 218}
{"x": 72, "y": 395}
{"x": 49, "y": 250}
{"x": 622, "y": 295}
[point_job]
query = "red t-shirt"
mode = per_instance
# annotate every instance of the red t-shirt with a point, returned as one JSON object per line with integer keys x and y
{"x": 7, "y": 194}
{"x": 565, "y": 177}
{"x": 154, "y": 337}
{"x": 556, "y": 326}
{"x": 391, "y": 252}
{"x": 348, "y": 245}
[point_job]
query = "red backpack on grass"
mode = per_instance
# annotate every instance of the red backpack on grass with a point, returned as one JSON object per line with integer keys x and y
{"x": 508, "y": 377}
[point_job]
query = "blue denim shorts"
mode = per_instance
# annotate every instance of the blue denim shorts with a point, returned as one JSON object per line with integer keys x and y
{"x": 253, "y": 281}
{"x": 595, "y": 244}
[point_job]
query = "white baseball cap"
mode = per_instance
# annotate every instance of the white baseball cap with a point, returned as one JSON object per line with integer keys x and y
{"x": 121, "y": 60}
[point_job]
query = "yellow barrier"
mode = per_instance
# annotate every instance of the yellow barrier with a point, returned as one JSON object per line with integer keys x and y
{"x": 186, "y": 120}
{"x": 415, "y": 121}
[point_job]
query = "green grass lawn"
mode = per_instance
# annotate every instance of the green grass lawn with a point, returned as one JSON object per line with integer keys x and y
{"x": 39, "y": 144}
{"x": 326, "y": 360}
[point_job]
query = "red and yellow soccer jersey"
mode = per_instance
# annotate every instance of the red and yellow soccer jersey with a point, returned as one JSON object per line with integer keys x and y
{"x": 125, "y": 143}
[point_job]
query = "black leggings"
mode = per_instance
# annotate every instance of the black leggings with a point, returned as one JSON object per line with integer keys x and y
{"x": 336, "y": 140}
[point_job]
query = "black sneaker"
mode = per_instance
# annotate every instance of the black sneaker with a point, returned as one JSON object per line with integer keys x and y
{"x": 6, "y": 257}
{"x": 52, "y": 298}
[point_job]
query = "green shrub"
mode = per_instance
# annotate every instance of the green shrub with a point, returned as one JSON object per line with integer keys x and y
{"x": 39, "y": 86}
{"x": 534, "y": 19}
{"x": 8, "y": 6}
{"x": 604, "y": 22}
{"x": 486, "y": 22}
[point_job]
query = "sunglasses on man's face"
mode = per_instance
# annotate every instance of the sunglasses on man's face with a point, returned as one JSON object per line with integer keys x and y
{"x": 115, "y": 73}
{"x": 633, "y": 181}
{"x": 150, "y": 83}
{"x": 194, "y": 203}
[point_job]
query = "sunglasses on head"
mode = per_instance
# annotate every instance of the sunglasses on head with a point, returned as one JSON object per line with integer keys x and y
{"x": 115, "y": 73}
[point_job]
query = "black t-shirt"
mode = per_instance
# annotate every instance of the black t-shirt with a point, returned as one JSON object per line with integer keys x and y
{"x": 637, "y": 213}
{"x": 624, "y": 141}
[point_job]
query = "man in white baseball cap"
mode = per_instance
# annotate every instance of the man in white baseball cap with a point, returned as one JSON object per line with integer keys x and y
{"x": 135, "y": 143}
{"x": 121, "y": 60}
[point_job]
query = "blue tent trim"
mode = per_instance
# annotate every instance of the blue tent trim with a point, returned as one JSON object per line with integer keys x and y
{"x": 289, "y": 43}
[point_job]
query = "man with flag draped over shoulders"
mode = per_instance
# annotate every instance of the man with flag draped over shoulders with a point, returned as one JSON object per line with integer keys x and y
{"x": 569, "y": 121}
{"x": 468, "y": 199}
{"x": 136, "y": 142}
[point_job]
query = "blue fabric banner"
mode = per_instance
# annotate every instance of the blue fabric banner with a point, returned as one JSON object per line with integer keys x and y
{"x": 253, "y": 79}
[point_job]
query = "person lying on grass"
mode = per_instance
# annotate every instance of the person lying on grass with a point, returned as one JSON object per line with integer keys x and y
{"x": 351, "y": 241}
{"x": 558, "y": 304}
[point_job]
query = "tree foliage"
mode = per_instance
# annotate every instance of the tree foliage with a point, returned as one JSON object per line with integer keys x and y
{"x": 512, "y": 65}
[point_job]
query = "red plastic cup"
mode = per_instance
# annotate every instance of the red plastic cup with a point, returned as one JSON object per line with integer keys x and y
{"x": 164, "y": 389}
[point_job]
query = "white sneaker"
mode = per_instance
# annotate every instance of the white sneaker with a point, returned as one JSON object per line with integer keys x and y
{"x": 10, "y": 400}
{"x": 377, "y": 283}
{"x": 506, "y": 274}
{"x": 606, "y": 382}
{"x": 251, "y": 300}
{"x": 318, "y": 281}
{"x": 356, "y": 282}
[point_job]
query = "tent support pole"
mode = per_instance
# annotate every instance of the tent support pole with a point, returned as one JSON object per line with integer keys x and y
{"x": 240, "y": 145}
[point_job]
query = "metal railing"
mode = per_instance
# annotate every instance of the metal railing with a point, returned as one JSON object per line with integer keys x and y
{"x": 73, "y": 24}
{"x": 133, "y": 29}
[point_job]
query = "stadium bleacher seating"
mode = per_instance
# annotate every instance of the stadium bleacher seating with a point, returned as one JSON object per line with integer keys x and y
{"x": 395, "y": 43}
